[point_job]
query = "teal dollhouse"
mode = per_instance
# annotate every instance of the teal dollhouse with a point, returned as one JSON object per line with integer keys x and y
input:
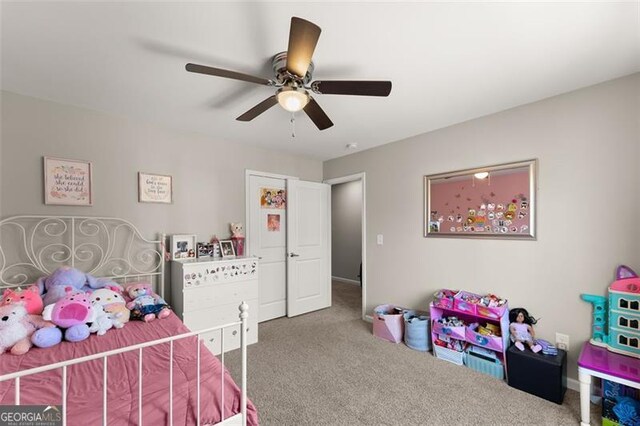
{"x": 616, "y": 320}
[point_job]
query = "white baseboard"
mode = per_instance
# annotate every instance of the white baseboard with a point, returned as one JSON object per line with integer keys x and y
{"x": 573, "y": 384}
{"x": 346, "y": 280}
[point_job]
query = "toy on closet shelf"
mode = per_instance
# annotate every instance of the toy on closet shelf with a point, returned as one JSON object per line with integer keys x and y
{"x": 521, "y": 329}
{"x": 145, "y": 304}
{"x": 616, "y": 319}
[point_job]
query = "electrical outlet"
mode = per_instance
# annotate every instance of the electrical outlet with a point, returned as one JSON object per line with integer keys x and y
{"x": 562, "y": 341}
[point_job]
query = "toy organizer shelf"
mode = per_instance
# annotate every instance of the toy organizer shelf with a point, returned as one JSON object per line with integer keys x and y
{"x": 470, "y": 314}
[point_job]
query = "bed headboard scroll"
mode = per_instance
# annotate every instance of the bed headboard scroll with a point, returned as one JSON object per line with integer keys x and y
{"x": 34, "y": 246}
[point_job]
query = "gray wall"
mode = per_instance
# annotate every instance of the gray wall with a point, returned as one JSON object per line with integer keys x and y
{"x": 588, "y": 146}
{"x": 346, "y": 230}
{"x": 208, "y": 174}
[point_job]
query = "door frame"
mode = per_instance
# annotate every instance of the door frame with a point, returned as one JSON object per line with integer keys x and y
{"x": 352, "y": 178}
{"x": 247, "y": 199}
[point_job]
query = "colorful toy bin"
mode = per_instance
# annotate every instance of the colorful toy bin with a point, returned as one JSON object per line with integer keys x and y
{"x": 388, "y": 322}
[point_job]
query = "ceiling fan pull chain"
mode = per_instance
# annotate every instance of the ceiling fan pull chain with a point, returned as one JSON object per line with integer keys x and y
{"x": 293, "y": 125}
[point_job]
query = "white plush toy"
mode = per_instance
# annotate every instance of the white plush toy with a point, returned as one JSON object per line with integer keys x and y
{"x": 113, "y": 304}
{"x": 16, "y": 328}
{"x": 236, "y": 230}
{"x": 103, "y": 321}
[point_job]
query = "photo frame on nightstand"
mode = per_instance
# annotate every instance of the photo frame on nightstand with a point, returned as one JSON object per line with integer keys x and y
{"x": 226, "y": 249}
{"x": 183, "y": 246}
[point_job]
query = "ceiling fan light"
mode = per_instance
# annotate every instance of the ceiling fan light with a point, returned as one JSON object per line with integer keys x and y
{"x": 481, "y": 175}
{"x": 291, "y": 99}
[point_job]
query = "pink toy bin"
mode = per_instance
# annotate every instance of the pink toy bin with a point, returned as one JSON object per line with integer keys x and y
{"x": 464, "y": 306}
{"x": 489, "y": 342}
{"x": 445, "y": 302}
{"x": 493, "y": 313}
{"x": 452, "y": 332}
{"x": 388, "y": 323}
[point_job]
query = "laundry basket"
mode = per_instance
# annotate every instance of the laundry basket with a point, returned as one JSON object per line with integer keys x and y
{"x": 417, "y": 330}
{"x": 388, "y": 323}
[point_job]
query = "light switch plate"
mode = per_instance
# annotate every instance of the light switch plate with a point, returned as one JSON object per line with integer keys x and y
{"x": 379, "y": 239}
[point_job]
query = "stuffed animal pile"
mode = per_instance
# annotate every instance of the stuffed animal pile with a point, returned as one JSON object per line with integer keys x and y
{"x": 71, "y": 305}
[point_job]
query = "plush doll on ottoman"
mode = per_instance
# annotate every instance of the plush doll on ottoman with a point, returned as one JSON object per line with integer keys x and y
{"x": 145, "y": 304}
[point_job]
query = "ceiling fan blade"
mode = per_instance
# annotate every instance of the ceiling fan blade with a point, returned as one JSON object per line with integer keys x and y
{"x": 303, "y": 37}
{"x": 258, "y": 109}
{"x": 317, "y": 115}
{"x": 219, "y": 72}
{"x": 346, "y": 87}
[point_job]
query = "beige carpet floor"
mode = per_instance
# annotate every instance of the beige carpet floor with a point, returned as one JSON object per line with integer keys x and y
{"x": 326, "y": 368}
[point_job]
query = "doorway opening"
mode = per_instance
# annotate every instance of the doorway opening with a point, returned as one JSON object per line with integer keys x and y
{"x": 348, "y": 239}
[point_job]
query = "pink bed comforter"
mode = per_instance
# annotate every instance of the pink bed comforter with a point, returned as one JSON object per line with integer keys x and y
{"x": 84, "y": 392}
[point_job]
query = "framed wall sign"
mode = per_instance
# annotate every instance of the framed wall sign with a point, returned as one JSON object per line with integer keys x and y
{"x": 67, "y": 182}
{"x": 154, "y": 188}
{"x": 491, "y": 202}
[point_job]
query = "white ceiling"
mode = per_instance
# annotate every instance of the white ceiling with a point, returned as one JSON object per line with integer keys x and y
{"x": 449, "y": 62}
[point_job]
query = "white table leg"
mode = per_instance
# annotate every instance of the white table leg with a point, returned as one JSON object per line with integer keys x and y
{"x": 585, "y": 397}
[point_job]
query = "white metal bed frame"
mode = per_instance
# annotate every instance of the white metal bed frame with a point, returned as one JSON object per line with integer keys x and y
{"x": 105, "y": 247}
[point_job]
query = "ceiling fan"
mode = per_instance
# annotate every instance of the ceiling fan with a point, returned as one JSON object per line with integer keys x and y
{"x": 293, "y": 73}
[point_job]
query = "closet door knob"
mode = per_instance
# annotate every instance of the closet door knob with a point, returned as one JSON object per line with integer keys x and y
{"x": 293, "y": 255}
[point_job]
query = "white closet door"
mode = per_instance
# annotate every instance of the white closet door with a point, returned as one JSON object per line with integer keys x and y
{"x": 267, "y": 238}
{"x": 309, "y": 247}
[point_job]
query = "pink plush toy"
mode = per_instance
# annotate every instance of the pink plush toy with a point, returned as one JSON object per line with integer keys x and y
{"x": 146, "y": 304}
{"x": 71, "y": 313}
{"x": 30, "y": 297}
{"x": 16, "y": 328}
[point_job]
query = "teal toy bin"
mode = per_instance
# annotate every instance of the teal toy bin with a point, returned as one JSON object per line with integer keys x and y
{"x": 484, "y": 365}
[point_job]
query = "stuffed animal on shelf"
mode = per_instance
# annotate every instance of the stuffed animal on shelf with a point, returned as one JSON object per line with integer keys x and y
{"x": 113, "y": 305}
{"x": 71, "y": 313}
{"x": 17, "y": 327}
{"x": 236, "y": 230}
{"x": 54, "y": 287}
{"x": 145, "y": 304}
{"x": 29, "y": 296}
{"x": 237, "y": 237}
{"x": 521, "y": 329}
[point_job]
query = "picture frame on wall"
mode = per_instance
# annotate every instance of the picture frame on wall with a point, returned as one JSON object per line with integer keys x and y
{"x": 226, "y": 249}
{"x": 155, "y": 188}
{"x": 68, "y": 182}
{"x": 183, "y": 246}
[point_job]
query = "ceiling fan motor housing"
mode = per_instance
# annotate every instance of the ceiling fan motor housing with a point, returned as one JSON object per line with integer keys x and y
{"x": 283, "y": 76}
